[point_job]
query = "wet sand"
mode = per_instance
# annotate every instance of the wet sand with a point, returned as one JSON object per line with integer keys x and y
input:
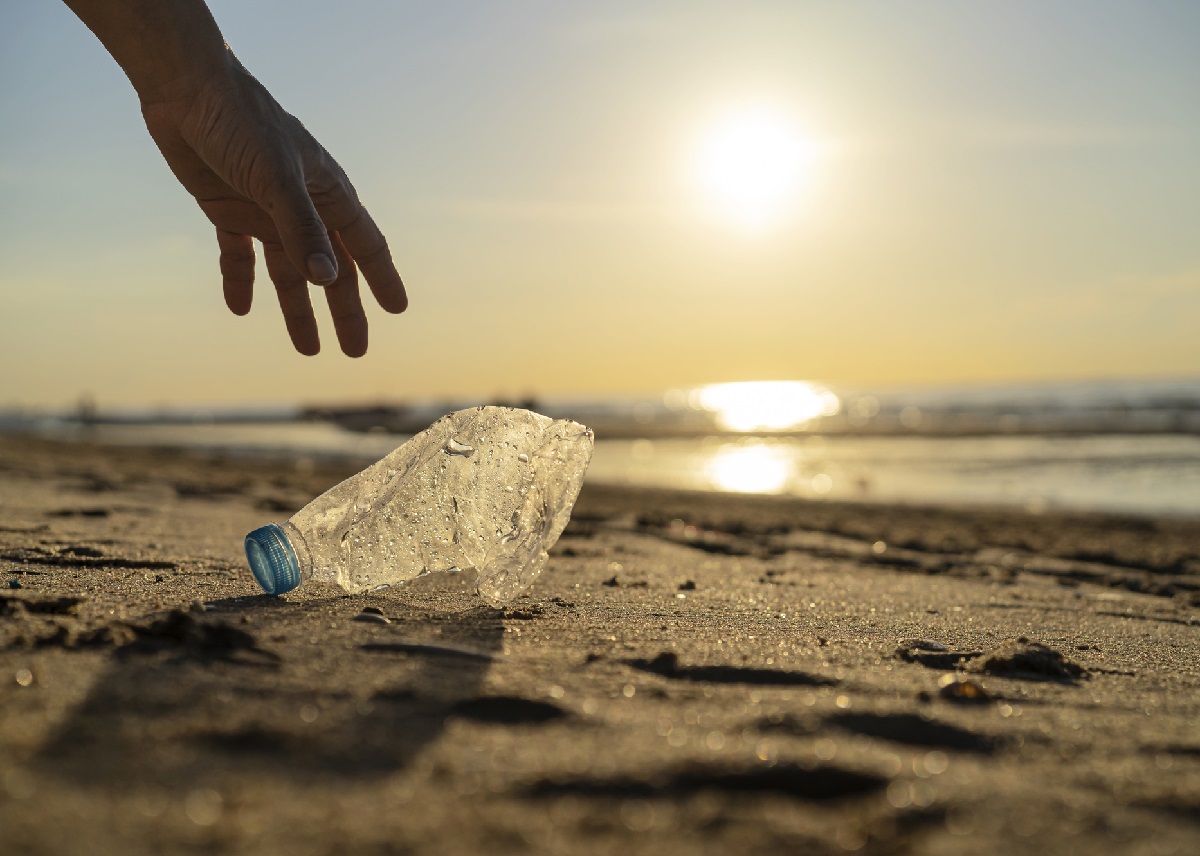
{"x": 692, "y": 674}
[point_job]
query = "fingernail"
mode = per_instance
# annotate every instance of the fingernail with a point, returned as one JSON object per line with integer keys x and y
{"x": 321, "y": 269}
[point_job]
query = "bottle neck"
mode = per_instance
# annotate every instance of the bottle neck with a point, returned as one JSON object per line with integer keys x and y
{"x": 300, "y": 548}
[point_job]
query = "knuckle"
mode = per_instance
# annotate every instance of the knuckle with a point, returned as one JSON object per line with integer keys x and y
{"x": 297, "y": 318}
{"x": 348, "y": 314}
{"x": 237, "y": 255}
{"x": 380, "y": 252}
{"x": 336, "y": 206}
{"x": 291, "y": 285}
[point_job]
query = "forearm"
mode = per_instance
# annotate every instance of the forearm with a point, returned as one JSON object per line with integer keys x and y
{"x": 166, "y": 48}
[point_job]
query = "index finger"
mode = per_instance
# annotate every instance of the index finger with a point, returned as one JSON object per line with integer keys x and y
{"x": 370, "y": 252}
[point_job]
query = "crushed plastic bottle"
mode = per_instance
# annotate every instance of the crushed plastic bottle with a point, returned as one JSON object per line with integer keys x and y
{"x": 488, "y": 489}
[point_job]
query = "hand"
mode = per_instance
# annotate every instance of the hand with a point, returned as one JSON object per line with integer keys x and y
{"x": 257, "y": 173}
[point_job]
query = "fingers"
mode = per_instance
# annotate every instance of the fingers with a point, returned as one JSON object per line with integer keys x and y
{"x": 237, "y": 270}
{"x": 369, "y": 249}
{"x": 300, "y": 228}
{"x": 324, "y": 236}
{"x": 292, "y": 291}
{"x": 338, "y": 204}
{"x": 345, "y": 305}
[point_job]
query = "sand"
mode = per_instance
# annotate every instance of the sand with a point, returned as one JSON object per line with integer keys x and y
{"x": 692, "y": 674}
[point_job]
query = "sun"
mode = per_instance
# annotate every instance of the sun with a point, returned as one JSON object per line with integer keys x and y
{"x": 754, "y": 164}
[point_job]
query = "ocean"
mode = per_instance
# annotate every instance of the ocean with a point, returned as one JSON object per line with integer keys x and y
{"x": 1129, "y": 447}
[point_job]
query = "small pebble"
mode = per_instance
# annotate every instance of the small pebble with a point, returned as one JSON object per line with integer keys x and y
{"x": 954, "y": 688}
{"x": 922, "y": 645}
{"x": 15, "y": 584}
{"x": 372, "y": 618}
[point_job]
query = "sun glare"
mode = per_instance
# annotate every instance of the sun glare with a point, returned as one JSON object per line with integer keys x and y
{"x": 766, "y": 405}
{"x": 754, "y": 164}
{"x": 750, "y": 469}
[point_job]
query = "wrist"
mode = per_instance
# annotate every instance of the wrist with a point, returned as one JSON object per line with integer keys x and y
{"x": 185, "y": 75}
{"x": 168, "y": 50}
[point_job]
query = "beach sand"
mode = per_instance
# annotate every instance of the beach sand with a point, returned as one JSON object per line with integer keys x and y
{"x": 692, "y": 674}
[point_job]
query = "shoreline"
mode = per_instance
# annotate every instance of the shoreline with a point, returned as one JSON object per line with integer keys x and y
{"x": 1149, "y": 477}
{"x": 694, "y": 673}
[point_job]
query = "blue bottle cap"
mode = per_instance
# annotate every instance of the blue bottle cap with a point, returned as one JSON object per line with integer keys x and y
{"x": 272, "y": 559}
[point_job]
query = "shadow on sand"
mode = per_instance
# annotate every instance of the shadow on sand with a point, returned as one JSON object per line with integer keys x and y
{"x": 264, "y": 687}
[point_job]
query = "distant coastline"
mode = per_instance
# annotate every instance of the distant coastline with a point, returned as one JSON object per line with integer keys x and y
{"x": 1055, "y": 409}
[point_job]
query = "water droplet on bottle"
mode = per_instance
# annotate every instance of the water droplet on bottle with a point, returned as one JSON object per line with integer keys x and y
{"x": 453, "y": 447}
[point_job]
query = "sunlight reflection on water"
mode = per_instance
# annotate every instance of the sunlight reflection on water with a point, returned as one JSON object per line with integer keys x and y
{"x": 750, "y": 469}
{"x": 1147, "y": 473}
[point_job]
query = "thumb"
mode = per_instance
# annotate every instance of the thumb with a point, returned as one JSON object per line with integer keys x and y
{"x": 301, "y": 231}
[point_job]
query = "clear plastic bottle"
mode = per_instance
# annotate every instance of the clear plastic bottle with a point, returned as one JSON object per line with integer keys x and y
{"x": 488, "y": 489}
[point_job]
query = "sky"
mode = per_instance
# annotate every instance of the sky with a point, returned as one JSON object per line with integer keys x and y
{"x": 594, "y": 198}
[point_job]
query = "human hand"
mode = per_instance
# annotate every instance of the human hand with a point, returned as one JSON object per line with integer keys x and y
{"x": 257, "y": 173}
